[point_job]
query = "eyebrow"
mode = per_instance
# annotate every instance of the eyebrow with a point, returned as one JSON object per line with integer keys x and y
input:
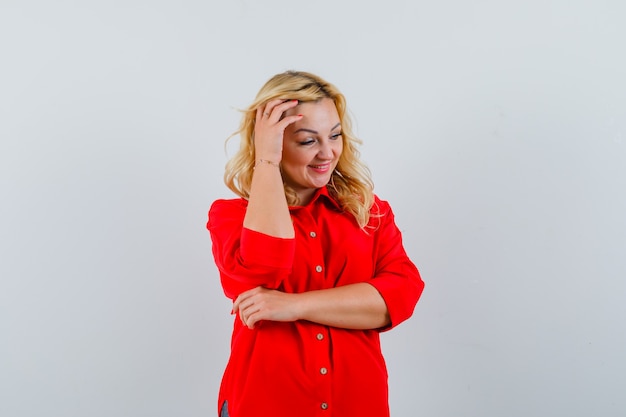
{"x": 315, "y": 131}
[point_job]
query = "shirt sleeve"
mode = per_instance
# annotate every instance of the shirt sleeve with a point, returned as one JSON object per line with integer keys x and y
{"x": 396, "y": 278}
{"x": 245, "y": 258}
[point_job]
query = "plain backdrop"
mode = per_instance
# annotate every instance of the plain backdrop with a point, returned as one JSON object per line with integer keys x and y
{"x": 496, "y": 129}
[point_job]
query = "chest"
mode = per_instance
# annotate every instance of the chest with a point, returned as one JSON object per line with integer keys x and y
{"x": 331, "y": 250}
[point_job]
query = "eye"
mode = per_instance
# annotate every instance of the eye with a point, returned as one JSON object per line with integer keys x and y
{"x": 307, "y": 141}
{"x": 336, "y": 136}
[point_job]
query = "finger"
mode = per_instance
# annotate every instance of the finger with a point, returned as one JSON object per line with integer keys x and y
{"x": 245, "y": 306}
{"x": 289, "y": 120}
{"x": 263, "y": 112}
{"x": 241, "y": 304}
{"x": 237, "y": 303}
{"x": 245, "y": 295}
{"x": 259, "y": 113}
{"x": 286, "y": 105}
{"x": 266, "y": 110}
{"x": 278, "y": 107}
{"x": 248, "y": 314}
{"x": 253, "y": 319}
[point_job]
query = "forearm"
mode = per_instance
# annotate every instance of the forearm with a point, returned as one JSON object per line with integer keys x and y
{"x": 354, "y": 306}
{"x": 267, "y": 210}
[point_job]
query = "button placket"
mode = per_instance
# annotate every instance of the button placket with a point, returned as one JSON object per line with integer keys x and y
{"x": 316, "y": 259}
{"x": 313, "y": 235}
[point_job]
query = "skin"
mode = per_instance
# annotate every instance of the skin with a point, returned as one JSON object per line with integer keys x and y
{"x": 311, "y": 148}
{"x": 305, "y": 138}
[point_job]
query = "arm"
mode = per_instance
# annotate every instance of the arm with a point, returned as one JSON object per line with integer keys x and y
{"x": 246, "y": 259}
{"x": 260, "y": 252}
{"x": 396, "y": 277}
{"x": 380, "y": 302}
{"x": 267, "y": 211}
{"x": 354, "y": 306}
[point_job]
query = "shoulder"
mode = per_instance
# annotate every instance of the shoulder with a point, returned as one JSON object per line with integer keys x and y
{"x": 229, "y": 204}
{"x": 380, "y": 215}
{"x": 223, "y": 209}
{"x": 380, "y": 207}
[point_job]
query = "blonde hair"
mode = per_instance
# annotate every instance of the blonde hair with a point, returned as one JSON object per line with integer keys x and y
{"x": 350, "y": 184}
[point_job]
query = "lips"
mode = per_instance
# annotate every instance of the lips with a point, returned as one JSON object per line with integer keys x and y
{"x": 322, "y": 167}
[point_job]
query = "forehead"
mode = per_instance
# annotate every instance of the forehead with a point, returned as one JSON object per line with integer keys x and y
{"x": 319, "y": 112}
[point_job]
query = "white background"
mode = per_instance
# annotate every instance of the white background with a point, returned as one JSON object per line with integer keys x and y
{"x": 496, "y": 129}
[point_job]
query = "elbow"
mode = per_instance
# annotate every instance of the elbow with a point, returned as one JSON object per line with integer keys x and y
{"x": 234, "y": 284}
{"x": 386, "y": 319}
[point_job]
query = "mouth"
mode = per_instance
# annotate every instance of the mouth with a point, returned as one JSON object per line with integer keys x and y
{"x": 320, "y": 167}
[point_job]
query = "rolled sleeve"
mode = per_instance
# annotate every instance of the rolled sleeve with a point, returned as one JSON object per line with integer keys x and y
{"x": 258, "y": 249}
{"x": 397, "y": 279}
{"x": 245, "y": 258}
{"x": 401, "y": 291}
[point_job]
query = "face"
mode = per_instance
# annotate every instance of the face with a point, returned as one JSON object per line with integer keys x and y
{"x": 311, "y": 147}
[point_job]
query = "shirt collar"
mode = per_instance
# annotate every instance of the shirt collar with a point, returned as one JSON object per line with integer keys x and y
{"x": 321, "y": 194}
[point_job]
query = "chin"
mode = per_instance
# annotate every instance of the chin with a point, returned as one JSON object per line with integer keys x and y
{"x": 321, "y": 183}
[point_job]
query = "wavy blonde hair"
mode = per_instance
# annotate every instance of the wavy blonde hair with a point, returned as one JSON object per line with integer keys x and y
{"x": 351, "y": 184}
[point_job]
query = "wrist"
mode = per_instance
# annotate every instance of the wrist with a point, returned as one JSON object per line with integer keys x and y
{"x": 274, "y": 155}
{"x": 300, "y": 305}
{"x": 262, "y": 161}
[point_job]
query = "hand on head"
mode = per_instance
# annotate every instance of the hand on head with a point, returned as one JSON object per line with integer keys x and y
{"x": 269, "y": 128}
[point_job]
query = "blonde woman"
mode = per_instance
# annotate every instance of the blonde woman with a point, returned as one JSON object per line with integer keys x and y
{"x": 311, "y": 258}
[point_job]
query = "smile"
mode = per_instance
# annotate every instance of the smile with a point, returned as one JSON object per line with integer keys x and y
{"x": 322, "y": 167}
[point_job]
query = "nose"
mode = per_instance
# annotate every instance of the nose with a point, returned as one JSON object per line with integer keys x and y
{"x": 325, "y": 151}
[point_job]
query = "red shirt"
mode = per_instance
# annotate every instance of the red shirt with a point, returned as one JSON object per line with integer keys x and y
{"x": 304, "y": 369}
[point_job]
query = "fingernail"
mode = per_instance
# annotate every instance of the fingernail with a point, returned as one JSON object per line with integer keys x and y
{"x": 232, "y": 311}
{"x": 300, "y": 115}
{"x": 294, "y": 101}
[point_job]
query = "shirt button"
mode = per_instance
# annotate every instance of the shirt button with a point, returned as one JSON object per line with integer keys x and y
{"x": 323, "y": 371}
{"x": 312, "y": 234}
{"x": 324, "y": 406}
{"x": 320, "y": 336}
{"x": 318, "y": 268}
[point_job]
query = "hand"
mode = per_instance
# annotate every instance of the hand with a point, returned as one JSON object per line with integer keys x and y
{"x": 269, "y": 128}
{"x": 262, "y": 304}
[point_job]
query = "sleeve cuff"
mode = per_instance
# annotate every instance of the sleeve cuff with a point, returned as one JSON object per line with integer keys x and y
{"x": 258, "y": 249}
{"x": 400, "y": 295}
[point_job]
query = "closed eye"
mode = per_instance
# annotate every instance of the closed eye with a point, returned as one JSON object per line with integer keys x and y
{"x": 336, "y": 136}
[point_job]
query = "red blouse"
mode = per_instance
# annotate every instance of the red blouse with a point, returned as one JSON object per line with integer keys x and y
{"x": 286, "y": 369}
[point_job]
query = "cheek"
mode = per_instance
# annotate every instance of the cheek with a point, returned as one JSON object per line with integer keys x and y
{"x": 339, "y": 148}
{"x": 294, "y": 156}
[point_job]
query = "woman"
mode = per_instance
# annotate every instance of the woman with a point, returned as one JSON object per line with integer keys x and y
{"x": 311, "y": 258}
